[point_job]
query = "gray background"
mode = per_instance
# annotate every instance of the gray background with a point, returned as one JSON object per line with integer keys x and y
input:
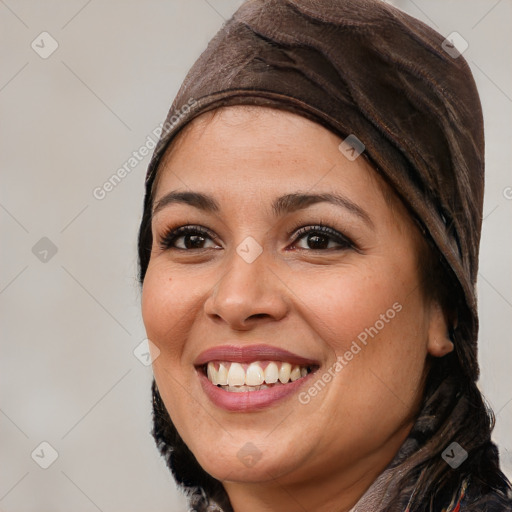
{"x": 71, "y": 320}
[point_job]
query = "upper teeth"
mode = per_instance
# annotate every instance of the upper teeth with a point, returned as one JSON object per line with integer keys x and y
{"x": 253, "y": 374}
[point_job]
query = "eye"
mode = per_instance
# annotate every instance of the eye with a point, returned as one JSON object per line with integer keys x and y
{"x": 319, "y": 237}
{"x": 193, "y": 238}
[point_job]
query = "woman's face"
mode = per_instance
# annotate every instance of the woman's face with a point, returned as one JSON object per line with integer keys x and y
{"x": 338, "y": 315}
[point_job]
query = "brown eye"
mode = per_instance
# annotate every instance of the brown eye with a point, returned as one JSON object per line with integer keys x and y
{"x": 194, "y": 237}
{"x": 319, "y": 237}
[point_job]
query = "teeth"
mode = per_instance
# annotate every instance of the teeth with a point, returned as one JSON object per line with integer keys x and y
{"x": 284, "y": 373}
{"x": 295, "y": 373}
{"x": 212, "y": 373}
{"x": 222, "y": 375}
{"x": 236, "y": 375}
{"x": 254, "y": 376}
{"x": 271, "y": 373}
{"x": 238, "y": 389}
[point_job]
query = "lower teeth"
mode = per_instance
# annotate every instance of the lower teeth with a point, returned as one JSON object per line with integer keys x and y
{"x": 238, "y": 389}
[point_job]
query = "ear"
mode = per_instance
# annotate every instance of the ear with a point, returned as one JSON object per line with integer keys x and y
{"x": 439, "y": 342}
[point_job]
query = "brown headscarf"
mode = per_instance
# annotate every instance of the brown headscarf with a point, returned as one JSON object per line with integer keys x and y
{"x": 363, "y": 68}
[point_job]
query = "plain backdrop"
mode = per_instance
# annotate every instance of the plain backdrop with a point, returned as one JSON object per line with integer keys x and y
{"x": 69, "y": 299}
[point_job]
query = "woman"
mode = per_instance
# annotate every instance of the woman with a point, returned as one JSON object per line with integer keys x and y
{"x": 308, "y": 256}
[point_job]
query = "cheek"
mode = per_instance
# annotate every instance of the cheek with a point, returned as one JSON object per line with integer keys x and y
{"x": 354, "y": 303}
{"x": 166, "y": 310}
{"x": 373, "y": 318}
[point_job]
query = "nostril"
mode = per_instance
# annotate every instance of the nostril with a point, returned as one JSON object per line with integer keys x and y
{"x": 259, "y": 315}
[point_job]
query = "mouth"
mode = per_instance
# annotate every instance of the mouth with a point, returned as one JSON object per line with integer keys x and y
{"x": 251, "y": 377}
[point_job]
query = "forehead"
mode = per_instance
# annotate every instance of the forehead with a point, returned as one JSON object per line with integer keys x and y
{"x": 256, "y": 147}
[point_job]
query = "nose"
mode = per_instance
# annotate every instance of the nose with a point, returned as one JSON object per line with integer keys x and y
{"x": 247, "y": 294}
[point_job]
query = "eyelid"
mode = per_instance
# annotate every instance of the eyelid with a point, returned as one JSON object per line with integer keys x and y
{"x": 320, "y": 222}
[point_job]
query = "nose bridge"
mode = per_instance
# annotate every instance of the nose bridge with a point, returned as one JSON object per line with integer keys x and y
{"x": 247, "y": 287}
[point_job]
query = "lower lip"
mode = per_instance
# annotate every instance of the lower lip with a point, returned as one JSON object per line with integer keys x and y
{"x": 247, "y": 401}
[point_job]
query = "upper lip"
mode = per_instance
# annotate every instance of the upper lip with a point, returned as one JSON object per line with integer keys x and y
{"x": 250, "y": 353}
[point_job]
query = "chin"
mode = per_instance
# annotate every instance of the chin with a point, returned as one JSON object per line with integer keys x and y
{"x": 246, "y": 463}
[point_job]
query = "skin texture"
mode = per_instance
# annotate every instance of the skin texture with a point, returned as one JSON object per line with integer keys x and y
{"x": 321, "y": 455}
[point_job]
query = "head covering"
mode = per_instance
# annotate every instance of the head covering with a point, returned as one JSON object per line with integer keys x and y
{"x": 362, "y": 68}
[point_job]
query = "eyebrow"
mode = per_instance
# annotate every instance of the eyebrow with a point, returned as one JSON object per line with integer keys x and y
{"x": 287, "y": 203}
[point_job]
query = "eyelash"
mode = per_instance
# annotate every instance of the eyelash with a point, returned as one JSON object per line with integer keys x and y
{"x": 172, "y": 234}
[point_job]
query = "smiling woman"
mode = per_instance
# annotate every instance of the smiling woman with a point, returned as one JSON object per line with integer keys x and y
{"x": 308, "y": 255}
